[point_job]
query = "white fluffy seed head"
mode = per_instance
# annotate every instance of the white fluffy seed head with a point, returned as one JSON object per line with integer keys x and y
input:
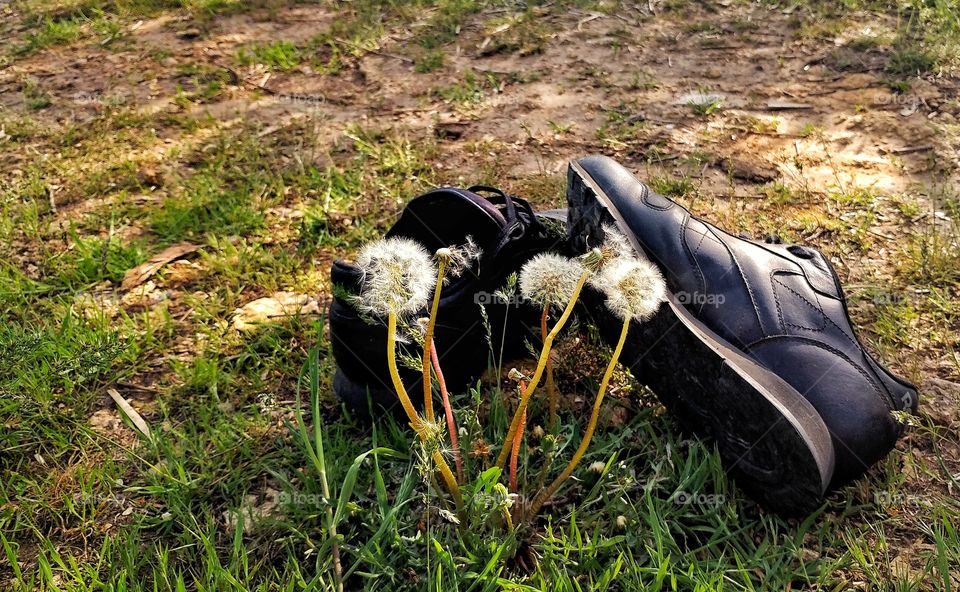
{"x": 398, "y": 276}
{"x": 550, "y": 280}
{"x": 634, "y": 288}
{"x": 615, "y": 245}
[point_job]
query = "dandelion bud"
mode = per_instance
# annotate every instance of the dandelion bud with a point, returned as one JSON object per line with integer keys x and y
{"x": 459, "y": 258}
{"x": 597, "y": 466}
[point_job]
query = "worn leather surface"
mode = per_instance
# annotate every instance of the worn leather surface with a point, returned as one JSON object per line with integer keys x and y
{"x": 781, "y": 304}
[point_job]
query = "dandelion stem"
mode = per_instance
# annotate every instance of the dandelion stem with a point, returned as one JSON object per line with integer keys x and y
{"x": 415, "y": 421}
{"x": 428, "y": 344}
{"x": 448, "y": 410}
{"x": 538, "y": 374}
{"x": 547, "y": 493}
{"x": 551, "y": 386}
{"x": 515, "y": 449}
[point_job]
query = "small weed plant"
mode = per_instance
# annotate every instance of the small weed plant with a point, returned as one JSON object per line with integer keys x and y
{"x": 402, "y": 281}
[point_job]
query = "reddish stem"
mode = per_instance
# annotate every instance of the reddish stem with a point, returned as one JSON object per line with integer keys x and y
{"x": 515, "y": 449}
{"x": 451, "y": 424}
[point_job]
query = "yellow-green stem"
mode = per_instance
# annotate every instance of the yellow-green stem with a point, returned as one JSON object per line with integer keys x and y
{"x": 551, "y": 386}
{"x": 428, "y": 344}
{"x": 541, "y": 364}
{"x": 547, "y": 493}
{"x": 415, "y": 421}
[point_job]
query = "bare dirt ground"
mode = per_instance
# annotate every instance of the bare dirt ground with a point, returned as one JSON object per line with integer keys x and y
{"x": 813, "y": 116}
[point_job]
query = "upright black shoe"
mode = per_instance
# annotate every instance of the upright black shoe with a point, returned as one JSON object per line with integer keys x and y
{"x": 509, "y": 233}
{"x": 751, "y": 310}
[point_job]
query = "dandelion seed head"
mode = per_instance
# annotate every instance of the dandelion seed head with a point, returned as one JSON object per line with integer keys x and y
{"x": 515, "y": 375}
{"x": 634, "y": 288}
{"x": 421, "y": 325}
{"x": 398, "y": 276}
{"x": 549, "y": 279}
{"x": 615, "y": 245}
{"x": 597, "y": 466}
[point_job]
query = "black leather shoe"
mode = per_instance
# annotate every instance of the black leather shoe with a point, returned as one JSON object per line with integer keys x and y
{"x": 509, "y": 233}
{"x": 779, "y": 308}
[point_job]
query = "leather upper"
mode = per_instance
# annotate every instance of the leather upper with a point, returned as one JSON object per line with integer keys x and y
{"x": 508, "y": 232}
{"x": 781, "y": 304}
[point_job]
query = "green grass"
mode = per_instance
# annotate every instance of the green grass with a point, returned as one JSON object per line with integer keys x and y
{"x": 279, "y": 55}
{"x": 52, "y": 32}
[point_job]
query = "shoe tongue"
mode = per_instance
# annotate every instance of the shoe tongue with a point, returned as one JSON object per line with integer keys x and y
{"x": 445, "y": 217}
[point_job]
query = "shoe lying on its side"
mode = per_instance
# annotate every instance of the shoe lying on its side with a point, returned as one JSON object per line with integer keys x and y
{"x": 754, "y": 348}
{"x": 508, "y": 232}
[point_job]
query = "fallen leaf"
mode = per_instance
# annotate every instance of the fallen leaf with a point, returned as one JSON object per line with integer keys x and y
{"x": 281, "y": 304}
{"x": 139, "y": 274}
{"x": 135, "y": 418}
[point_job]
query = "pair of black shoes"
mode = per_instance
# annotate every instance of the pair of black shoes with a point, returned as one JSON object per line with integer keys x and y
{"x": 753, "y": 348}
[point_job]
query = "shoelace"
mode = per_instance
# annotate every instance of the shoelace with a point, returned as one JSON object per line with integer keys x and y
{"x": 520, "y": 217}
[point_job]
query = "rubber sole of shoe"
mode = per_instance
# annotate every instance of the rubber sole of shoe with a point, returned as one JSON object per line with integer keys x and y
{"x": 772, "y": 441}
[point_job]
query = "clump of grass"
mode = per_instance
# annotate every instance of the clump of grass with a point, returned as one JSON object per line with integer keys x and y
{"x": 444, "y": 24}
{"x": 705, "y": 105}
{"x": 205, "y": 205}
{"x": 52, "y": 32}
{"x": 95, "y": 259}
{"x": 673, "y": 186}
{"x": 279, "y": 55}
{"x": 642, "y": 80}
{"x": 908, "y": 61}
{"x": 430, "y": 61}
{"x": 470, "y": 90}
{"x": 35, "y": 97}
{"x": 622, "y": 126}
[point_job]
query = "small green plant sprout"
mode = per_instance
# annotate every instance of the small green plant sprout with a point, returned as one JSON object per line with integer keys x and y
{"x": 634, "y": 289}
{"x": 397, "y": 278}
{"x": 549, "y": 280}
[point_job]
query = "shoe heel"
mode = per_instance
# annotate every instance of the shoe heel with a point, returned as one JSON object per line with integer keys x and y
{"x": 586, "y": 215}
